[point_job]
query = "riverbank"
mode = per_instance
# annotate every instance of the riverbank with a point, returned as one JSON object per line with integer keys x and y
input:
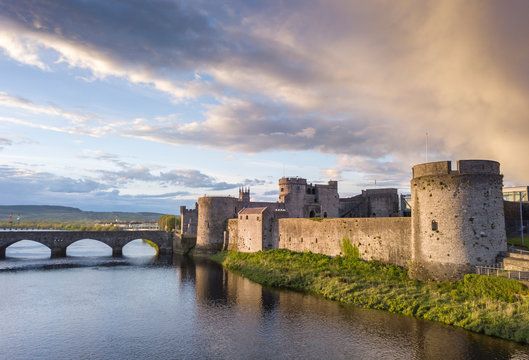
{"x": 493, "y": 306}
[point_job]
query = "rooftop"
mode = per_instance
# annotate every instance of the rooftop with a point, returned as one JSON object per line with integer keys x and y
{"x": 255, "y": 210}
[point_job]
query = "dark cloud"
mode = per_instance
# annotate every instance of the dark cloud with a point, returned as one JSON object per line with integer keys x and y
{"x": 160, "y": 35}
{"x": 252, "y": 128}
{"x": 156, "y": 32}
{"x": 126, "y": 175}
{"x": 194, "y": 179}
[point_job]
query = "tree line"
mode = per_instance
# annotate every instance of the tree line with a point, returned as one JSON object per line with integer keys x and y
{"x": 52, "y": 225}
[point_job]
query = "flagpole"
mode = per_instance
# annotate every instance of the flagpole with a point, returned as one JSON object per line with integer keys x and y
{"x": 426, "y": 146}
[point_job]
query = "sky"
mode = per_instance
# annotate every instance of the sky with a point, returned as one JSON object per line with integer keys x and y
{"x": 138, "y": 105}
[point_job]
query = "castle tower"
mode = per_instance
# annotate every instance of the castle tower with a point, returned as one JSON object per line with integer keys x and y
{"x": 457, "y": 218}
{"x": 213, "y": 215}
{"x": 292, "y": 194}
{"x": 244, "y": 194}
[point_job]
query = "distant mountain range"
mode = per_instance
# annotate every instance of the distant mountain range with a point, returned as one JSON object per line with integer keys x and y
{"x": 64, "y": 213}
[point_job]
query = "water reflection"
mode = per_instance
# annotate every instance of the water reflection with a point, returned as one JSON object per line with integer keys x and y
{"x": 174, "y": 307}
{"x": 286, "y": 324}
{"x": 29, "y": 249}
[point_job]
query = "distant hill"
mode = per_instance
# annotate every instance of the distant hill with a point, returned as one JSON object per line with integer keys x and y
{"x": 64, "y": 213}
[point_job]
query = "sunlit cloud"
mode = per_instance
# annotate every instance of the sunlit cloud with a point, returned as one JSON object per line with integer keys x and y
{"x": 365, "y": 82}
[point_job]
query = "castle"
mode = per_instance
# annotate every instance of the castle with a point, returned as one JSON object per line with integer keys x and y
{"x": 457, "y": 220}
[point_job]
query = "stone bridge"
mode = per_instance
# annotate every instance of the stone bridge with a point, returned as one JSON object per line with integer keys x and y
{"x": 58, "y": 241}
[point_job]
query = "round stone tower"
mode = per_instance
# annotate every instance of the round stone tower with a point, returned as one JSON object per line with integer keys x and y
{"x": 292, "y": 194}
{"x": 457, "y": 218}
{"x": 213, "y": 215}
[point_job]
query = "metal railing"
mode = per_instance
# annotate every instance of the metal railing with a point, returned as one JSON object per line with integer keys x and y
{"x": 499, "y": 271}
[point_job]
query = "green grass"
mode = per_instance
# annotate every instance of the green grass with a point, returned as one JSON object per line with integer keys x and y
{"x": 493, "y": 306}
{"x": 149, "y": 242}
{"x": 518, "y": 241}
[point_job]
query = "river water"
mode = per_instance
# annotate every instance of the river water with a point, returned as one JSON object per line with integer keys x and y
{"x": 92, "y": 306}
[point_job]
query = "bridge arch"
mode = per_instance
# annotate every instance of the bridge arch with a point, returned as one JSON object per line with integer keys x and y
{"x": 26, "y": 248}
{"x": 140, "y": 247}
{"x": 88, "y": 247}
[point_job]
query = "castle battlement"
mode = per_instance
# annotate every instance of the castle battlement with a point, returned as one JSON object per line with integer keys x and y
{"x": 478, "y": 167}
{"x": 293, "y": 181}
{"x": 467, "y": 167}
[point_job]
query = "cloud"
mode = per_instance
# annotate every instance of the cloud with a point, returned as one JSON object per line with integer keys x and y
{"x": 54, "y": 118}
{"x": 28, "y": 187}
{"x": 5, "y": 142}
{"x": 104, "y": 156}
{"x": 367, "y": 79}
{"x": 21, "y": 103}
{"x": 390, "y": 172}
{"x": 248, "y": 127}
{"x": 97, "y": 37}
{"x": 128, "y": 173}
{"x": 21, "y": 181}
{"x": 194, "y": 179}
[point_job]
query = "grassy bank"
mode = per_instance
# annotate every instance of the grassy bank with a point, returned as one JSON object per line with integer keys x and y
{"x": 493, "y": 306}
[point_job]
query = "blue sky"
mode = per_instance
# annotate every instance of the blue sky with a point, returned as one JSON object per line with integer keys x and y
{"x": 146, "y": 105}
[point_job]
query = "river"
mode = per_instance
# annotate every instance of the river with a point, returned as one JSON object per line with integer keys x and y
{"x": 92, "y": 306}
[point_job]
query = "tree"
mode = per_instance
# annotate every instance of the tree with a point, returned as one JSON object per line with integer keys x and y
{"x": 167, "y": 222}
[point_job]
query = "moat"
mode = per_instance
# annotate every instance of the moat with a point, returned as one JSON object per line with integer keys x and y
{"x": 90, "y": 305}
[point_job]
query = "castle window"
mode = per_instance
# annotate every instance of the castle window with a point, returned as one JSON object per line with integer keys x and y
{"x": 246, "y": 217}
{"x": 282, "y": 189}
{"x": 258, "y": 218}
{"x": 241, "y": 217}
{"x": 435, "y": 226}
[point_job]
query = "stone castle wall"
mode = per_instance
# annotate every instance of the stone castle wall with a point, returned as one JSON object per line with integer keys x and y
{"x": 457, "y": 218}
{"x": 383, "y": 239}
{"x": 382, "y": 202}
{"x": 189, "y": 220}
{"x": 292, "y": 193}
{"x": 213, "y": 216}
